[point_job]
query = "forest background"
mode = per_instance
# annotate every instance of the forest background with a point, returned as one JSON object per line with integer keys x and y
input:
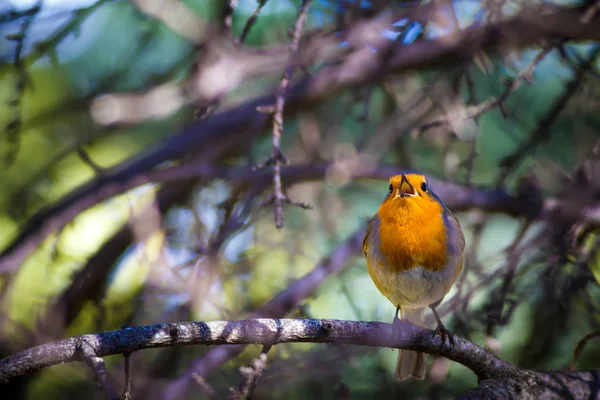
{"x": 150, "y": 149}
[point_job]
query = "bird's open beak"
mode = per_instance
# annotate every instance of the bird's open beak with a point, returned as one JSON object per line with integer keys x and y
{"x": 405, "y": 188}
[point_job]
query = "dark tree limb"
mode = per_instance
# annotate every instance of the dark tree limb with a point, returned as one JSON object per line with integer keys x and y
{"x": 497, "y": 377}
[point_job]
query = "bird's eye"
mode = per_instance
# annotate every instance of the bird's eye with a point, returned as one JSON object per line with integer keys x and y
{"x": 391, "y": 188}
{"x": 424, "y": 186}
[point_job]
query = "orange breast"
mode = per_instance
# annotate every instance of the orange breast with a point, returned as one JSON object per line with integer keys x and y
{"x": 412, "y": 233}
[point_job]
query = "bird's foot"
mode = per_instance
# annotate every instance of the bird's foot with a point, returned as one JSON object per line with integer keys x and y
{"x": 445, "y": 334}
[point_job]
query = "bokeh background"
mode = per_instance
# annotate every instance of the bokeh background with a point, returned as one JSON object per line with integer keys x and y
{"x": 209, "y": 251}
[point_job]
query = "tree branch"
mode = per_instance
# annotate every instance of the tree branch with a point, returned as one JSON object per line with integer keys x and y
{"x": 495, "y": 374}
{"x": 278, "y": 197}
{"x": 96, "y": 364}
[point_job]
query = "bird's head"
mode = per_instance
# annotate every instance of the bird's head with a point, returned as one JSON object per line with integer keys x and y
{"x": 409, "y": 192}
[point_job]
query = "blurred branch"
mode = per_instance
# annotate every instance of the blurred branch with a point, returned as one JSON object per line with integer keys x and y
{"x": 357, "y": 65}
{"x": 522, "y": 31}
{"x": 250, "y": 23}
{"x": 48, "y": 46}
{"x": 85, "y": 157}
{"x": 281, "y": 304}
{"x": 278, "y": 197}
{"x": 469, "y": 162}
{"x": 543, "y": 132}
{"x": 89, "y": 283}
{"x": 250, "y": 376}
{"x": 206, "y": 388}
{"x": 591, "y": 12}
{"x": 493, "y": 373}
{"x": 580, "y": 346}
{"x": 12, "y": 128}
{"x": 455, "y": 196}
{"x": 475, "y": 111}
{"x": 177, "y": 16}
{"x": 13, "y": 15}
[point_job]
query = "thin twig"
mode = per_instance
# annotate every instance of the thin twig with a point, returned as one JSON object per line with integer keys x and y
{"x": 278, "y": 197}
{"x": 48, "y": 46}
{"x": 85, "y": 157}
{"x": 499, "y": 298}
{"x": 13, "y": 127}
{"x": 13, "y": 15}
{"x": 96, "y": 364}
{"x": 512, "y": 85}
{"x": 590, "y": 12}
{"x": 469, "y": 162}
{"x": 205, "y": 386}
{"x": 580, "y": 346}
{"x": 264, "y": 352}
{"x": 542, "y": 131}
{"x": 127, "y": 387}
{"x": 177, "y": 16}
{"x": 250, "y": 376}
{"x": 250, "y": 22}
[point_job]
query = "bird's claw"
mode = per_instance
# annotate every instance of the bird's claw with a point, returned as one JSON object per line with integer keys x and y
{"x": 444, "y": 333}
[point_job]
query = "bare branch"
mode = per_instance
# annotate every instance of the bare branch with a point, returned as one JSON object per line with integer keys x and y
{"x": 278, "y": 198}
{"x": 475, "y": 111}
{"x": 89, "y": 353}
{"x": 528, "y": 28}
{"x": 488, "y": 368}
{"x": 49, "y": 45}
{"x": 542, "y": 131}
{"x": 251, "y": 21}
{"x": 591, "y": 12}
{"x": 127, "y": 387}
{"x": 13, "y": 127}
{"x": 580, "y": 346}
{"x": 13, "y": 15}
{"x": 206, "y": 388}
{"x": 250, "y": 376}
{"x": 177, "y": 16}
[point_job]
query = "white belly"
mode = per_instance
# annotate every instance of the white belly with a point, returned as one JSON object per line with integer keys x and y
{"x": 414, "y": 288}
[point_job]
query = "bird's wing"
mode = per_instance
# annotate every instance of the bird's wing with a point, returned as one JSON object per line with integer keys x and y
{"x": 457, "y": 243}
{"x": 458, "y": 228}
{"x": 365, "y": 245}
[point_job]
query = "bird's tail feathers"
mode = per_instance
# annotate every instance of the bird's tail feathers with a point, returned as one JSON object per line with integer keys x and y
{"x": 411, "y": 364}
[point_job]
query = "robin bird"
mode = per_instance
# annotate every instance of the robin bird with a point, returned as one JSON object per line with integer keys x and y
{"x": 414, "y": 250}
